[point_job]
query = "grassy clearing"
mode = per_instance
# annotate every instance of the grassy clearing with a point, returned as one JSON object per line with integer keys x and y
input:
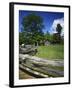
{"x": 51, "y": 52}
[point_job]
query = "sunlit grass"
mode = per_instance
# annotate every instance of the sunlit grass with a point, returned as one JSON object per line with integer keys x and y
{"x": 51, "y": 52}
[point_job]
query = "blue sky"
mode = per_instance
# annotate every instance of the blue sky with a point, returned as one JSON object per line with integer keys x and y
{"x": 50, "y": 19}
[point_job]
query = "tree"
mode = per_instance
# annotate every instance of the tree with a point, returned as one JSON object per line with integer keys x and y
{"x": 56, "y": 38}
{"x": 58, "y": 34}
{"x": 32, "y": 27}
{"x": 58, "y": 29}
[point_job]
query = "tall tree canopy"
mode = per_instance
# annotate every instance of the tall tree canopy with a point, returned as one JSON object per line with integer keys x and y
{"x": 32, "y": 28}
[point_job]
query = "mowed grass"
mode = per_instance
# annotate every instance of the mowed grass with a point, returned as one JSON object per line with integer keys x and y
{"x": 51, "y": 52}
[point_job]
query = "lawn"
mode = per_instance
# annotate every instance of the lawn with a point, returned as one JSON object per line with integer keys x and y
{"x": 51, "y": 52}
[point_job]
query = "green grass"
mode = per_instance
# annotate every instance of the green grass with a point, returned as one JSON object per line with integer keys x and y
{"x": 51, "y": 52}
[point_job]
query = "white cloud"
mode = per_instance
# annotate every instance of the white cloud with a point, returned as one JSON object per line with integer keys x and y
{"x": 54, "y": 25}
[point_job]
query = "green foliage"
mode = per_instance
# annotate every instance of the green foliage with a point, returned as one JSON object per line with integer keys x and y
{"x": 32, "y": 31}
{"x": 51, "y": 52}
{"x": 21, "y": 38}
{"x": 56, "y": 36}
{"x": 48, "y": 37}
{"x": 32, "y": 27}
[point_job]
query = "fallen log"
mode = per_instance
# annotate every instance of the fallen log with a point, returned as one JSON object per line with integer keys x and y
{"x": 32, "y": 72}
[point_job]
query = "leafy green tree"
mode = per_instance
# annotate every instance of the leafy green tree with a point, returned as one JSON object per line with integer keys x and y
{"x": 32, "y": 27}
{"x": 57, "y": 36}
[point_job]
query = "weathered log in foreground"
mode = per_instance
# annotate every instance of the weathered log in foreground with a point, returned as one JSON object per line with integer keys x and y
{"x": 28, "y": 50}
{"x": 39, "y": 67}
{"x": 32, "y": 72}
